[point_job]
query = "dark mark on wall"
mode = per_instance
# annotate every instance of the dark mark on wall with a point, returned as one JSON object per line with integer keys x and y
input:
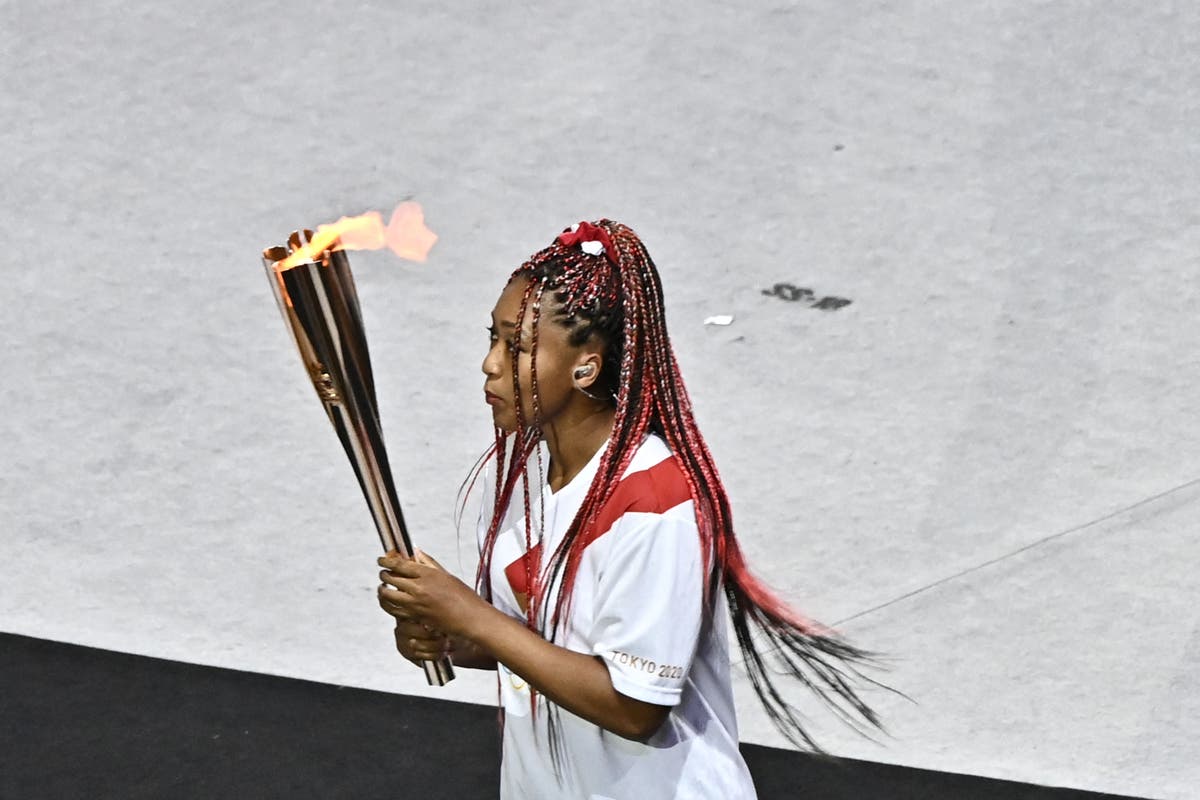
{"x": 798, "y": 294}
{"x": 831, "y": 303}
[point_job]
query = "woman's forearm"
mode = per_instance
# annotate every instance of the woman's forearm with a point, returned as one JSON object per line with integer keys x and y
{"x": 465, "y": 653}
{"x": 578, "y": 682}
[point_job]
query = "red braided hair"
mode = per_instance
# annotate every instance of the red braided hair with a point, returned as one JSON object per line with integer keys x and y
{"x": 615, "y": 294}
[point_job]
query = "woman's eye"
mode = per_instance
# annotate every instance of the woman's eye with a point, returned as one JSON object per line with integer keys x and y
{"x": 509, "y": 344}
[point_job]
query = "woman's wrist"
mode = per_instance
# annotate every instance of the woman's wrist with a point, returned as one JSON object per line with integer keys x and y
{"x": 469, "y": 654}
{"x": 474, "y": 624}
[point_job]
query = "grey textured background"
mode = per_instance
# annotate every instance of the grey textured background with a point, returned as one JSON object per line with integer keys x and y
{"x": 987, "y": 465}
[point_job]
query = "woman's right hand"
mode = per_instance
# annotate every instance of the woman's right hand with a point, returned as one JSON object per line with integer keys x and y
{"x": 418, "y": 643}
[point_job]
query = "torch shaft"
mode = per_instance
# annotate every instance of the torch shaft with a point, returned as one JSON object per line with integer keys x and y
{"x": 319, "y": 302}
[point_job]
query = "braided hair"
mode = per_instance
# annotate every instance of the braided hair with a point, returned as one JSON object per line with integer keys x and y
{"x": 614, "y": 296}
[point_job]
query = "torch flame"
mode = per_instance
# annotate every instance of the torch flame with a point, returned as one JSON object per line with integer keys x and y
{"x": 405, "y": 234}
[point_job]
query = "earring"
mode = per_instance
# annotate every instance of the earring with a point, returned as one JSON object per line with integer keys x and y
{"x": 581, "y": 373}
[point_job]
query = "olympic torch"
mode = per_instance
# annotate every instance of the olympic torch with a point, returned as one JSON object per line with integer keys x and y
{"x": 313, "y": 285}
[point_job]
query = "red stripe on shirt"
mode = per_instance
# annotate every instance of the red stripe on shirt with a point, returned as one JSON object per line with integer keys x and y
{"x": 650, "y": 491}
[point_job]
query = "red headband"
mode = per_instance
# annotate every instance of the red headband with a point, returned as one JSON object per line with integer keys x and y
{"x": 590, "y": 238}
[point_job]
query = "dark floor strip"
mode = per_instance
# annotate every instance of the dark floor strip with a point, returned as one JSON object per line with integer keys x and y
{"x": 79, "y": 722}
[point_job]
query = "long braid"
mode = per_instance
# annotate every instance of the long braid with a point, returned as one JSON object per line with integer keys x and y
{"x": 619, "y": 299}
{"x": 509, "y": 474}
{"x": 812, "y": 654}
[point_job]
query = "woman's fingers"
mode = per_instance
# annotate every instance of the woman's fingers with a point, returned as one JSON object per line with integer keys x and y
{"x": 426, "y": 592}
{"x": 420, "y": 650}
{"x": 399, "y": 565}
{"x": 401, "y": 604}
{"x": 407, "y": 593}
{"x": 395, "y": 602}
{"x": 416, "y": 641}
{"x": 403, "y": 592}
{"x": 424, "y": 558}
{"x": 416, "y": 631}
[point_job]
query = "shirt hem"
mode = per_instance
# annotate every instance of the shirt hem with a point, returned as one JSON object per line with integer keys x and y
{"x": 647, "y": 694}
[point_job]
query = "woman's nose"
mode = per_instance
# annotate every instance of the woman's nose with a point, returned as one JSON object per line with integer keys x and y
{"x": 491, "y": 363}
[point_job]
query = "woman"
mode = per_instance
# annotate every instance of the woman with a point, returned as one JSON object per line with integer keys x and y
{"x": 605, "y": 542}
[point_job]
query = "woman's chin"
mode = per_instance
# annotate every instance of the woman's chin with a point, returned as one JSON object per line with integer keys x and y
{"x": 504, "y": 421}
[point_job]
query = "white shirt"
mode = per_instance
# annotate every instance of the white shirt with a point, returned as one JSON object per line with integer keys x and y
{"x": 638, "y": 603}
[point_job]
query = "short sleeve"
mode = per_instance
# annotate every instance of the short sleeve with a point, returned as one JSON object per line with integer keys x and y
{"x": 649, "y": 605}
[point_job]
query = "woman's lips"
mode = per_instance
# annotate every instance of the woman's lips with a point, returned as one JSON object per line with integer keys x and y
{"x": 492, "y": 399}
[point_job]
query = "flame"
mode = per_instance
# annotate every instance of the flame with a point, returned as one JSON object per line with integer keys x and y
{"x": 405, "y": 235}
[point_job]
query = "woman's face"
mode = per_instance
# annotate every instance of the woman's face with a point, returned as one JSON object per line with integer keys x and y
{"x": 556, "y": 361}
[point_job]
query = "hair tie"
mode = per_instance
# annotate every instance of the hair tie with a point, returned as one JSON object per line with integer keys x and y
{"x": 592, "y": 239}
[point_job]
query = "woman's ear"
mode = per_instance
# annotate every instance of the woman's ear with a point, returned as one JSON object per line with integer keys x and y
{"x": 587, "y": 371}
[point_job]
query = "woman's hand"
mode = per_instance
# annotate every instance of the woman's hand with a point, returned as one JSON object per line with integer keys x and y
{"x": 417, "y": 643}
{"x": 428, "y": 601}
{"x": 419, "y": 592}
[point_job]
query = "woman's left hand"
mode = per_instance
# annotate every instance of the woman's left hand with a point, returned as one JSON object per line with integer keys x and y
{"x": 426, "y": 592}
